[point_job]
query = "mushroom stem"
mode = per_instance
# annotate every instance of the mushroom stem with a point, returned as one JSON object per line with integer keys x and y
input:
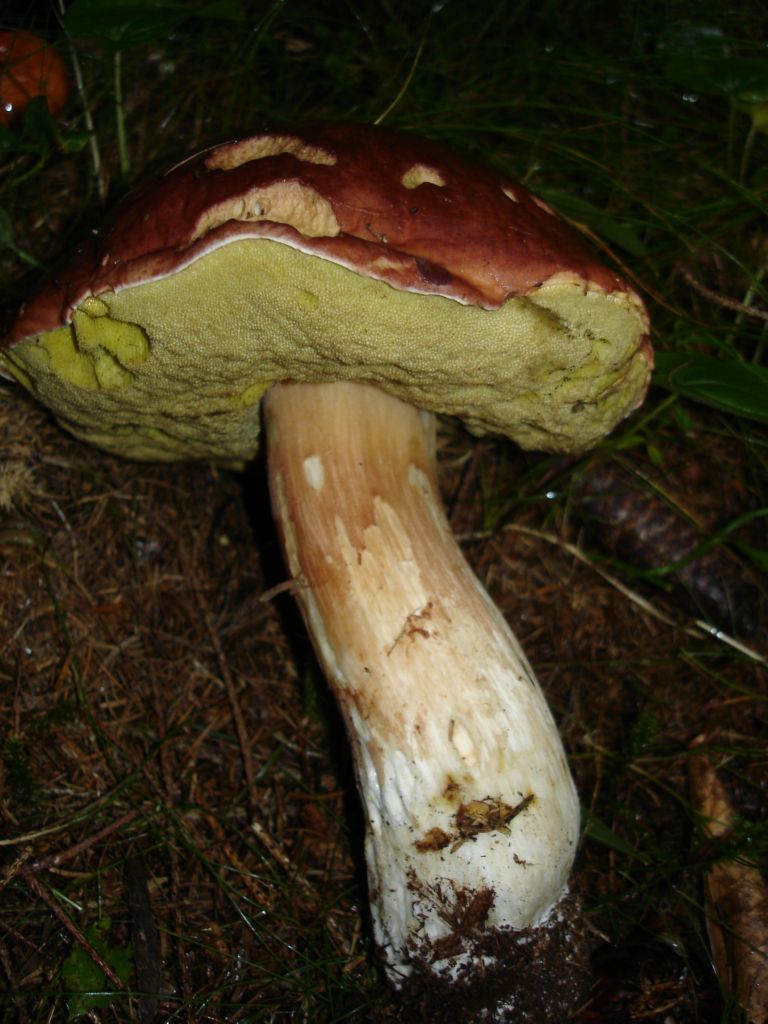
{"x": 472, "y": 816}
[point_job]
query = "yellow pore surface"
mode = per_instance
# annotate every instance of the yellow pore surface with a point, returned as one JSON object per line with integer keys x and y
{"x": 175, "y": 368}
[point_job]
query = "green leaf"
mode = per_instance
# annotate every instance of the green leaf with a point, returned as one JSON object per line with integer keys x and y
{"x": 740, "y": 78}
{"x": 698, "y": 57}
{"x": 759, "y": 556}
{"x": 85, "y": 980}
{"x": 693, "y": 39}
{"x": 35, "y": 133}
{"x": 726, "y": 384}
{"x": 125, "y": 23}
{"x": 596, "y": 829}
{"x": 72, "y": 141}
{"x": 605, "y": 225}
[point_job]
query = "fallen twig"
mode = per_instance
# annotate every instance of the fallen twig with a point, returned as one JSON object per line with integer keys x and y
{"x": 145, "y": 940}
{"x": 736, "y": 902}
{"x": 697, "y": 627}
{"x": 34, "y": 883}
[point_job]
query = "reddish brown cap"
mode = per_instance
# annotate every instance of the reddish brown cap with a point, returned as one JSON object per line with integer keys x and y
{"x": 409, "y": 211}
{"x": 394, "y": 209}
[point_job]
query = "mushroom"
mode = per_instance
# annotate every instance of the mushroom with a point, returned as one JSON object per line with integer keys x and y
{"x": 29, "y": 67}
{"x": 362, "y": 280}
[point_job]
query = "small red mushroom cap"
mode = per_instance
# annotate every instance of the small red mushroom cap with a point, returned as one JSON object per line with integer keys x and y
{"x": 29, "y": 67}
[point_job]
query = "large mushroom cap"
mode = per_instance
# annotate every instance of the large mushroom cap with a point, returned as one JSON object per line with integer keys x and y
{"x": 334, "y": 251}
